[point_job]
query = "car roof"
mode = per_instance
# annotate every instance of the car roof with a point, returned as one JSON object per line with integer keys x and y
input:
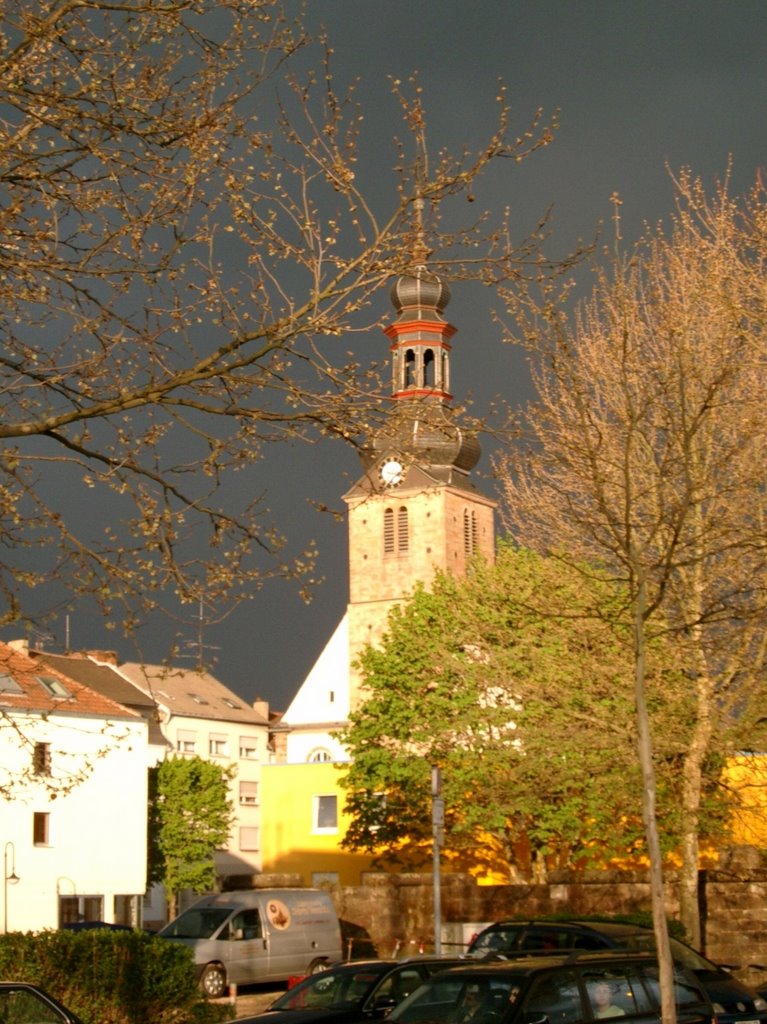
{"x": 571, "y": 924}
{"x": 529, "y": 964}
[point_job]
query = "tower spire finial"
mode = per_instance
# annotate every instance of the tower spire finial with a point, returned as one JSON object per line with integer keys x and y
{"x": 421, "y": 251}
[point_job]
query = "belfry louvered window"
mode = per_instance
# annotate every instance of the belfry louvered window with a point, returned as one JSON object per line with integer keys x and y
{"x": 403, "y": 537}
{"x": 396, "y": 531}
{"x": 469, "y": 531}
{"x": 389, "y": 531}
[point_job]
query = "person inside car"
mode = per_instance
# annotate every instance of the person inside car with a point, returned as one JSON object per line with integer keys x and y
{"x": 602, "y": 1001}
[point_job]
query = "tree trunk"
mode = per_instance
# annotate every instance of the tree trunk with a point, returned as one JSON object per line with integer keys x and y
{"x": 668, "y": 1002}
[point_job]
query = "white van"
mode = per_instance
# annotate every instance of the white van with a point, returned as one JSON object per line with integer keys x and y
{"x": 258, "y": 935}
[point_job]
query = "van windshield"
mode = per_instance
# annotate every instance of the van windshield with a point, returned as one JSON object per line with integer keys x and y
{"x": 197, "y": 923}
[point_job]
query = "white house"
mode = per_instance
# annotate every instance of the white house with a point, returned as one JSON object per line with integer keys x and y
{"x": 198, "y": 715}
{"x": 73, "y": 772}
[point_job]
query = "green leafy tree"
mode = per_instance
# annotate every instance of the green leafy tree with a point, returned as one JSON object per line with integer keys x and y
{"x": 509, "y": 683}
{"x": 190, "y": 815}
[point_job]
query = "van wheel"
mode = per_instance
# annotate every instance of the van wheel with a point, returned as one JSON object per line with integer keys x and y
{"x": 213, "y": 981}
{"x": 318, "y": 966}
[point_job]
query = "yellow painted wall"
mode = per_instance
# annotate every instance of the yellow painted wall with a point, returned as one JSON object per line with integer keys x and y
{"x": 747, "y": 778}
{"x": 288, "y": 841}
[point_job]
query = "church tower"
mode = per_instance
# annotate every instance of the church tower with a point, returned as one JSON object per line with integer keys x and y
{"x": 415, "y": 510}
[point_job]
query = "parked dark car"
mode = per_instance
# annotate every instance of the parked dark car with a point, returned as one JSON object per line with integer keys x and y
{"x": 87, "y": 926}
{"x": 21, "y": 1003}
{"x": 567, "y": 988}
{"x": 734, "y": 1002}
{"x": 355, "y": 991}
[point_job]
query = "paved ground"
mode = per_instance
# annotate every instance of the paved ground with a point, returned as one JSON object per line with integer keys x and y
{"x": 252, "y": 999}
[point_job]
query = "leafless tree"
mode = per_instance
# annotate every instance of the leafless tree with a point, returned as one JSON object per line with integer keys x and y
{"x": 646, "y": 456}
{"x": 184, "y": 244}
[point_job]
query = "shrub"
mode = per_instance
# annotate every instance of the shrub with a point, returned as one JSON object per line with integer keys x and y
{"x": 110, "y": 977}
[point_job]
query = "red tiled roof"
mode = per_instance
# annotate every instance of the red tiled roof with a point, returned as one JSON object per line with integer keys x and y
{"x": 35, "y": 696}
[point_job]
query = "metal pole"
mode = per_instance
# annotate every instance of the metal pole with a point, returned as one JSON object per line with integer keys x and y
{"x": 438, "y": 822}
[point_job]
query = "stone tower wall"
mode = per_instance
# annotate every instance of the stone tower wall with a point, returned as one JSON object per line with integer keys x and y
{"x": 378, "y": 581}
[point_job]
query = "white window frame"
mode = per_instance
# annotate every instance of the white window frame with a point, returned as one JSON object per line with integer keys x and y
{"x": 248, "y": 748}
{"x": 186, "y": 741}
{"x": 319, "y": 809}
{"x": 218, "y": 744}
{"x": 248, "y": 793}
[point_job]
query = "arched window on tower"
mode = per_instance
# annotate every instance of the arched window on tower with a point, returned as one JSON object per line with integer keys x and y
{"x": 396, "y": 531}
{"x": 403, "y": 531}
{"x": 428, "y": 368}
{"x": 409, "y": 368}
{"x": 389, "y": 531}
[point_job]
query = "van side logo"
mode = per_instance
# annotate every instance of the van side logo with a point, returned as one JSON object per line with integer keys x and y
{"x": 278, "y": 914}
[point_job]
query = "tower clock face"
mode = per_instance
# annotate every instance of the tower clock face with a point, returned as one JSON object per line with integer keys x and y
{"x": 391, "y": 472}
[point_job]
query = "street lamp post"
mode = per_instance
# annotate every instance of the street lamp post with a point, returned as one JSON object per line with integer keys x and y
{"x": 438, "y": 825}
{"x": 9, "y": 878}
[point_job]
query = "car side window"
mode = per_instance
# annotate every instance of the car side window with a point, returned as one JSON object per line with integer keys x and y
{"x": 686, "y": 992}
{"x": 499, "y": 940}
{"x": 17, "y": 1005}
{"x": 555, "y": 995}
{"x": 615, "y": 992}
{"x": 246, "y": 925}
{"x": 399, "y": 984}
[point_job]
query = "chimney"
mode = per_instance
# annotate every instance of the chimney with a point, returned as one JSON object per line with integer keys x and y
{"x": 262, "y": 707}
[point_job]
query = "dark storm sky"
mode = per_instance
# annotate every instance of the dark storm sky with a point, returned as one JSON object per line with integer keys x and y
{"x": 640, "y": 85}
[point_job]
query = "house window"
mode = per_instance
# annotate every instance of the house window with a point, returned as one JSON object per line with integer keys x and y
{"x": 53, "y": 686}
{"x": 248, "y": 838}
{"x": 319, "y": 754}
{"x": 186, "y": 741}
{"x": 217, "y": 745}
{"x": 41, "y": 823}
{"x": 325, "y": 817}
{"x": 249, "y": 748}
{"x": 80, "y": 908}
{"x": 41, "y": 759}
{"x": 249, "y": 793}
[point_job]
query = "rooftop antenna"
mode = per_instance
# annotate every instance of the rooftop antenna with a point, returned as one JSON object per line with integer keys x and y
{"x": 198, "y": 646}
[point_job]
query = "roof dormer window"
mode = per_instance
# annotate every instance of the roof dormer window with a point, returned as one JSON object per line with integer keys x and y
{"x": 53, "y": 686}
{"x": 9, "y": 685}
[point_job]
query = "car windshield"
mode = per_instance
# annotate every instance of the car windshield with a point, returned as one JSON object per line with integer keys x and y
{"x": 338, "y": 988}
{"x": 196, "y": 923}
{"x": 460, "y": 997}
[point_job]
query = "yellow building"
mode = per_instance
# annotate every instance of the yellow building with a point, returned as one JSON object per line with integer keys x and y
{"x": 303, "y": 824}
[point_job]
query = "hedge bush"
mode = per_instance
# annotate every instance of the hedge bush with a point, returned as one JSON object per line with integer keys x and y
{"x": 111, "y": 977}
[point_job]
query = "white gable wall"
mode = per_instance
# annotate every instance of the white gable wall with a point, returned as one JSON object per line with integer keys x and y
{"x": 96, "y": 844}
{"x": 322, "y": 703}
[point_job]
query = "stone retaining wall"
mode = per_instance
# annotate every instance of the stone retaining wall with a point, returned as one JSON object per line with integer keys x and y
{"x": 397, "y": 910}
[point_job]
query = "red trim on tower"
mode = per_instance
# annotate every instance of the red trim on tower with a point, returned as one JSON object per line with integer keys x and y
{"x": 421, "y": 393}
{"x": 445, "y": 330}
